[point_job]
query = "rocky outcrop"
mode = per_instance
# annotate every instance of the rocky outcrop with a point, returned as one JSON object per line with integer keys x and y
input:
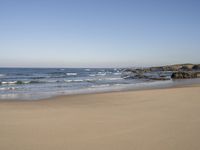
{"x": 180, "y": 71}
{"x": 196, "y": 67}
{"x": 185, "y": 75}
{"x": 180, "y": 67}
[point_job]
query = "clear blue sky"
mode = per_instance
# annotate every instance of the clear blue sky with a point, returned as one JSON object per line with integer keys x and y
{"x": 98, "y": 33}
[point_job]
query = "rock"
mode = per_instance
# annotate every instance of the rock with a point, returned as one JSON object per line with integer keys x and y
{"x": 127, "y": 74}
{"x": 160, "y": 78}
{"x": 197, "y": 74}
{"x": 196, "y": 67}
{"x": 180, "y": 71}
{"x": 186, "y": 68}
{"x": 179, "y": 67}
{"x": 156, "y": 69}
{"x": 140, "y": 76}
{"x": 133, "y": 75}
{"x": 180, "y": 75}
{"x": 185, "y": 75}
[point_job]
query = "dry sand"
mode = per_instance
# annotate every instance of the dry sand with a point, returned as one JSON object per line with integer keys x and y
{"x": 165, "y": 119}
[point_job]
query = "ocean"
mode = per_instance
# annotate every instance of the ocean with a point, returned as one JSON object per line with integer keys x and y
{"x": 41, "y": 83}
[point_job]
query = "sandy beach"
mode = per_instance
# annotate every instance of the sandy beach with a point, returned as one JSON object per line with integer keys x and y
{"x": 159, "y": 119}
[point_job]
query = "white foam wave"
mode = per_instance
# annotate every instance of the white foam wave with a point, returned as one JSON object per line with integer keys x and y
{"x": 74, "y": 80}
{"x": 21, "y": 82}
{"x": 9, "y": 88}
{"x": 71, "y": 74}
{"x": 90, "y": 80}
{"x": 117, "y": 73}
{"x": 92, "y": 75}
{"x": 78, "y": 80}
{"x": 10, "y": 82}
{"x": 113, "y": 78}
{"x": 100, "y": 86}
{"x": 102, "y": 73}
{"x": 68, "y": 80}
{"x": 3, "y": 89}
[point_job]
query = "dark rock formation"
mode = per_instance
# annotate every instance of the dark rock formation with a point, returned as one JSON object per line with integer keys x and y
{"x": 180, "y": 71}
{"x": 185, "y": 75}
{"x": 196, "y": 67}
{"x": 180, "y": 67}
{"x": 160, "y": 78}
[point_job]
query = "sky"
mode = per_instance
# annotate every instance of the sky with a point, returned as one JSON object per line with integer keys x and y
{"x": 99, "y": 33}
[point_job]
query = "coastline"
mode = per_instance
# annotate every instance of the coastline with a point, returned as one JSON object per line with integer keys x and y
{"x": 34, "y": 84}
{"x": 149, "y": 86}
{"x": 146, "y": 120}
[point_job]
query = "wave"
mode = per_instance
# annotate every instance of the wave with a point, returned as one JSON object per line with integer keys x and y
{"x": 117, "y": 73}
{"x": 101, "y": 73}
{"x": 2, "y": 89}
{"x": 87, "y": 69}
{"x": 71, "y": 74}
{"x": 22, "y": 82}
{"x": 40, "y": 82}
{"x": 68, "y": 81}
{"x": 100, "y": 86}
{"x": 91, "y": 80}
{"x": 8, "y": 88}
{"x": 113, "y": 78}
{"x": 10, "y": 82}
{"x": 2, "y": 75}
{"x": 92, "y": 75}
{"x": 33, "y": 82}
{"x": 80, "y": 80}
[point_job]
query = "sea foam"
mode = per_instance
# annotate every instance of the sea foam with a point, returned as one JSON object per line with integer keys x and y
{"x": 71, "y": 74}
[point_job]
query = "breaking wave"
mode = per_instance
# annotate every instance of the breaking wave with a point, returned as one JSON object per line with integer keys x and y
{"x": 71, "y": 74}
{"x": 21, "y": 82}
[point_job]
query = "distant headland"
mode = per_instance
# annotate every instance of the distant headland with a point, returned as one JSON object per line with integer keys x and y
{"x": 177, "y": 71}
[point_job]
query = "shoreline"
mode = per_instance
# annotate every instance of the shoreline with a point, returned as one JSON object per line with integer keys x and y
{"x": 33, "y": 84}
{"x": 107, "y": 92}
{"x": 113, "y": 92}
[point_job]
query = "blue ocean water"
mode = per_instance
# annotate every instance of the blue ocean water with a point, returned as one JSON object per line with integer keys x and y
{"x": 39, "y": 83}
